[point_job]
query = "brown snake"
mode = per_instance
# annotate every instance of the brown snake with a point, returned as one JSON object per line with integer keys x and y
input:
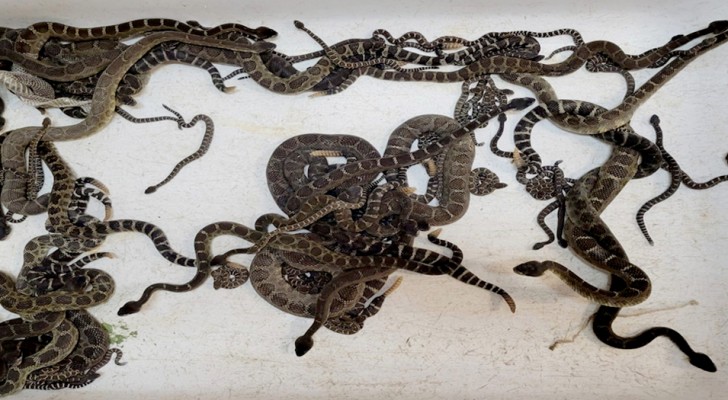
{"x": 348, "y": 271}
{"x": 102, "y": 109}
{"x": 65, "y": 336}
{"x": 585, "y": 201}
{"x": 678, "y": 177}
{"x": 22, "y": 45}
{"x": 591, "y": 239}
{"x": 449, "y": 131}
{"x": 583, "y": 53}
{"x": 585, "y": 232}
{"x": 97, "y": 287}
{"x": 309, "y": 275}
{"x": 79, "y": 368}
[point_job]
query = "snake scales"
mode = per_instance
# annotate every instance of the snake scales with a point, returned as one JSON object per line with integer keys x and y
{"x": 102, "y": 108}
{"x": 438, "y": 126}
{"x": 587, "y": 234}
{"x": 361, "y": 229}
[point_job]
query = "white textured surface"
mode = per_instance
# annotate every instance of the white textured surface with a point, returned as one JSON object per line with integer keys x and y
{"x": 435, "y": 338}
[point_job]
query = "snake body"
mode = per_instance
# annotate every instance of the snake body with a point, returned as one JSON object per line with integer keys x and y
{"x": 135, "y": 77}
{"x": 79, "y": 368}
{"x": 340, "y": 276}
{"x": 102, "y": 109}
{"x": 587, "y": 234}
{"x": 456, "y": 180}
{"x": 64, "y": 337}
{"x": 583, "y": 53}
{"x": 361, "y": 215}
{"x": 678, "y": 177}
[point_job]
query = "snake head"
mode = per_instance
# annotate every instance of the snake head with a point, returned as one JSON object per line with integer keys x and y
{"x": 90, "y": 378}
{"x": 703, "y": 362}
{"x": 303, "y": 345}
{"x": 718, "y": 26}
{"x": 531, "y": 268}
{"x": 129, "y": 308}
{"x": 519, "y": 103}
{"x": 263, "y": 32}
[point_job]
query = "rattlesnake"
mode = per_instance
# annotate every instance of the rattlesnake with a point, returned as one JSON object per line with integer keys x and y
{"x": 102, "y": 109}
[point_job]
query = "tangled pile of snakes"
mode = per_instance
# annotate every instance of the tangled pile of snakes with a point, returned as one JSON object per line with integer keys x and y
{"x": 349, "y": 217}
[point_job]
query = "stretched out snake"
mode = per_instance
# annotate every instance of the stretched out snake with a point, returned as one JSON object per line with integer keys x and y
{"x": 587, "y": 234}
{"x": 583, "y": 53}
{"x": 201, "y": 150}
{"x": 287, "y": 242}
{"x": 135, "y": 78}
{"x": 343, "y": 292}
{"x": 348, "y": 272}
{"x": 102, "y": 109}
{"x": 678, "y": 177}
{"x": 585, "y": 201}
{"x": 592, "y": 240}
{"x": 277, "y": 74}
{"x": 570, "y": 115}
{"x": 21, "y": 46}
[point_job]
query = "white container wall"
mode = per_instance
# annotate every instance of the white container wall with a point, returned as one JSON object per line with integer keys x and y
{"x": 434, "y": 337}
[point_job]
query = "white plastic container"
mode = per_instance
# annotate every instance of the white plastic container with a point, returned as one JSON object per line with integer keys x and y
{"x": 435, "y": 337}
